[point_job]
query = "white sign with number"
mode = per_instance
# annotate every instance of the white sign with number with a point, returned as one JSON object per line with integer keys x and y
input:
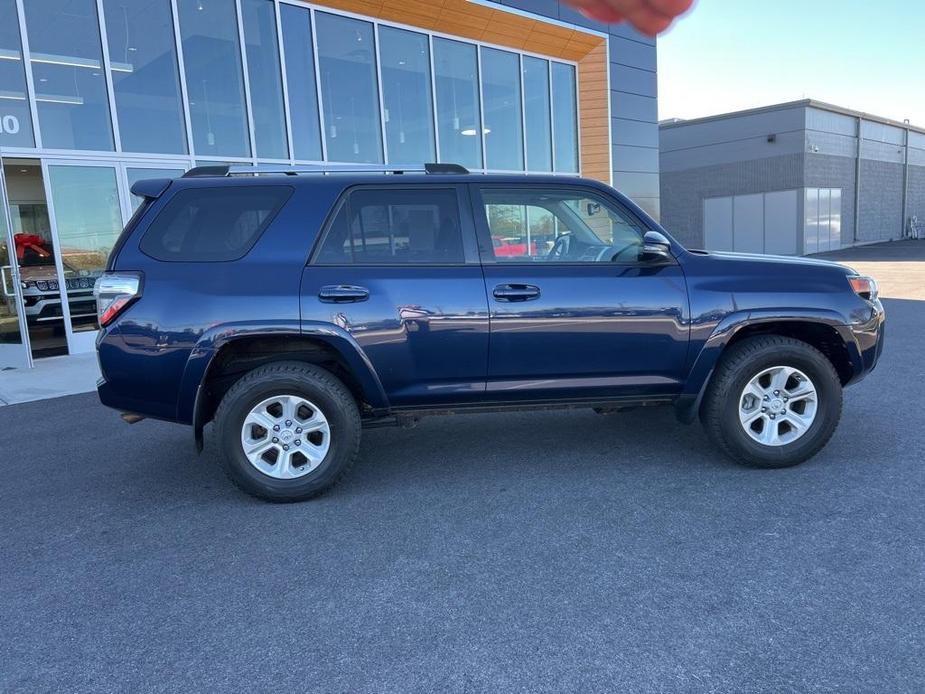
{"x": 9, "y": 125}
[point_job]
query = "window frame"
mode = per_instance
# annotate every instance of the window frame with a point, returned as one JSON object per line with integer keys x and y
{"x": 466, "y": 225}
{"x": 483, "y": 230}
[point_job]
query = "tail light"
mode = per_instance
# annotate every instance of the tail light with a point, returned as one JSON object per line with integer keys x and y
{"x": 865, "y": 287}
{"x": 114, "y": 292}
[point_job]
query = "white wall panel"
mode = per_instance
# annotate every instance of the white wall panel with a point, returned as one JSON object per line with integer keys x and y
{"x": 759, "y": 223}
{"x": 748, "y": 223}
{"x": 717, "y": 224}
{"x": 780, "y": 223}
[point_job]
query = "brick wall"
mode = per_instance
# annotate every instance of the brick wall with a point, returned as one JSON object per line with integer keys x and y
{"x": 916, "y": 200}
{"x": 881, "y": 201}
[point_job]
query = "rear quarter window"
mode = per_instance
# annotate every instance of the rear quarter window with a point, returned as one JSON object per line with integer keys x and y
{"x": 213, "y": 224}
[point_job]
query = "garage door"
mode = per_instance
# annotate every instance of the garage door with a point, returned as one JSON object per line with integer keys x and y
{"x": 758, "y": 223}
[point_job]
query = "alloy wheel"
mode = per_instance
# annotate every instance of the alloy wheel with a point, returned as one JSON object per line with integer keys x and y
{"x": 286, "y": 437}
{"x": 778, "y": 406}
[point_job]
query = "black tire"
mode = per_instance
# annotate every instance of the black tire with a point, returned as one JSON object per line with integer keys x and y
{"x": 288, "y": 378}
{"x": 719, "y": 412}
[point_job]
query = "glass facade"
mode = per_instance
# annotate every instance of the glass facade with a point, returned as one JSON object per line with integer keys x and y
{"x": 145, "y": 77}
{"x": 71, "y": 95}
{"x": 266, "y": 85}
{"x": 214, "y": 77}
{"x": 275, "y": 80}
{"x": 565, "y": 117}
{"x": 406, "y": 95}
{"x": 15, "y": 115}
{"x": 98, "y": 94}
{"x": 503, "y": 128}
{"x": 301, "y": 82}
{"x": 538, "y": 114}
{"x": 459, "y": 120}
{"x": 349, "y": 88}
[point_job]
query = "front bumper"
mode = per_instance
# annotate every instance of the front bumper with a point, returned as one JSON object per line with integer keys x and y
{"x": 867, "y": 337}
{"x": 45, "y": 306}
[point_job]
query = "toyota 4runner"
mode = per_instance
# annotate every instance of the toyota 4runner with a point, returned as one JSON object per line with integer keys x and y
{"x": 294, "y": 307}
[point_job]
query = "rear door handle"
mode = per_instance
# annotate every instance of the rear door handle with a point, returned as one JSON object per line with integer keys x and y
{"x": 516, "y": 292}
{"x": 343, "y": 294}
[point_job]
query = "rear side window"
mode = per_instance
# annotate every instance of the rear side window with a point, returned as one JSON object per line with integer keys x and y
{"x": 395, "y": 226}
{"x": 213, "y": 224}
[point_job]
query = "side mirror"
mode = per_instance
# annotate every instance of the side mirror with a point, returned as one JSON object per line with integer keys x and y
{"x": 655, "y": 246}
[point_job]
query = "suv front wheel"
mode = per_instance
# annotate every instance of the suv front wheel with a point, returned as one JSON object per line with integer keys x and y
{"x": 287, "y": 431}
{"x": 773, "y": 402}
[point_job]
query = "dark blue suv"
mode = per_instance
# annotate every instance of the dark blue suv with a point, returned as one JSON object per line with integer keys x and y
{"x": 293, "y": 307}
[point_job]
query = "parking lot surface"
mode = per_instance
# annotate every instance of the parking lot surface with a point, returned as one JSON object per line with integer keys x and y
{"x": 555, "y": 551}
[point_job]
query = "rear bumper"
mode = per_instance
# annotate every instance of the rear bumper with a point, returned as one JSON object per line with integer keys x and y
{"x": 118, "y": 386}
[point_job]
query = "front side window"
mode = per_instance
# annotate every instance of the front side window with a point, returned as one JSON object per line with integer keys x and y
{"x": 388, "y": 227}
{"x": 560, "y": 226}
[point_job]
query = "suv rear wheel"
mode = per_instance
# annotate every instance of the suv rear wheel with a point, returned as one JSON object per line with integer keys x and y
{"x": 287, "y": 431}
{"x": 773, "y": 402}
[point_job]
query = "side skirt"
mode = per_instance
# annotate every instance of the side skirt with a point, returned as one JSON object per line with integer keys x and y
{"x": 409, "y": 416}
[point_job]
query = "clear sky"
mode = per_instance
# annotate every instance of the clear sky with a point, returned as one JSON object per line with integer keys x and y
{"x": 728, "y": 55}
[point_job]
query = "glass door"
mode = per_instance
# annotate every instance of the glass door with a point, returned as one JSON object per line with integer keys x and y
{"x": 85, "y": 204}
{"x": 14, "y": 337}
{"x": 89, "y": 203}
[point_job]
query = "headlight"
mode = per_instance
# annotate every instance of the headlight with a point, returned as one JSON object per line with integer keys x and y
{"x": 865, "y": 287}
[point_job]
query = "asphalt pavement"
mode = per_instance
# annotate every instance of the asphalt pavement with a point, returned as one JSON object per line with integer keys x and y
{"x": 554, "y": 551}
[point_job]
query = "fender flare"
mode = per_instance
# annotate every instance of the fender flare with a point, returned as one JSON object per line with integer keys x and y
{"x": 190, "y": 405}
{"x": 688, "y": 403}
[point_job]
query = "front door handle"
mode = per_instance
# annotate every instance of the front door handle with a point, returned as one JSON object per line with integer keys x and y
{"x": 343, "y": 294}
{"x": 516, "y": 292}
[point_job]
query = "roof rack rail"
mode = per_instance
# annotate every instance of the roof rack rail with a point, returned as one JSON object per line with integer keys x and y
{"x": 246, "y": 170}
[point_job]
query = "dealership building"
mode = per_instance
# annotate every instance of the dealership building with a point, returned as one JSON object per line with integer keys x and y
{"x": 97, "y": 94}
{"x": 792, "y": 179}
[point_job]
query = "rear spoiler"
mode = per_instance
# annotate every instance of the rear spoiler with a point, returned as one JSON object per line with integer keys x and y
{"x": 151, "y": 188}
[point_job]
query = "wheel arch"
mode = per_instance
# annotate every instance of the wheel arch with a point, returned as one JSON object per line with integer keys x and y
{"x": 213, "y": 369}
{"x": 825, "y": 331}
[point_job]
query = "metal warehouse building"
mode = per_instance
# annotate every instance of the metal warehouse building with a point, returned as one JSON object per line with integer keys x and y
{"x": 96, "y": 94}
{"x": 793, "y": 179}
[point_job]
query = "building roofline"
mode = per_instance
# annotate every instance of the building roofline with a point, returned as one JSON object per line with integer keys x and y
{"x": 801, "y": 103}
